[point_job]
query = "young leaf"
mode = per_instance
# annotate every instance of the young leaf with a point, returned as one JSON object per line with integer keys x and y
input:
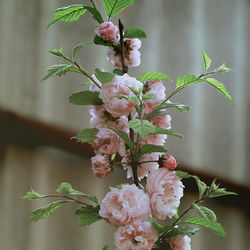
{"x": 78, "y": 47}
{"x": 161, "y": 228}
{"x": 125, "y": 138}
{"x": 106, "y": 247}
{"x": 134, "y": 32}
{"x": 95, "y": 13}
{"x": 32, "y": 195}
{"x": 68, "y": 190}
{"x": 201, "y": 185}
{"x": 99, "y": 41}
{"x": 112, "y": 157}
{"x": 183, "y": 174}
{"x": 46, "y": 211}
{"x": 206, "y": 213}
{"x": 114, "y": 7}
{"x": 88, "y": 215}
{"x": 181, "y": 231}
{"x": 215, "y": 226}
{"x": 216, "y": 191}
{"x": 152, "y": 76}
{"x": 133, "y": 99}
{"x": 118, "y": 72}
{"x": 207, "y": 60}
{"x": 85, "y": 98}
{"x": 68, "y": 14}
{"x": 149, "y": 96}
{"x": 56, "y": 52}
{"x": 164, "y": 131}
{"x": 223, "y": 68}
{"x": 220, "y": 86}
{"x": 150, "y": 148}
{"x": 187, "y": 80}
{"x": 60, "y": 69}
{"x": 86, "y": 135}
{"x": 104, "y": 77}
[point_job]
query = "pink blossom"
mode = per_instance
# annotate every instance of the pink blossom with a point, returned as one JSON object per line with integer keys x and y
{"x": 162, "y": 121}
{"x": 100, "y": 165}
{"x": 93, "y": 87}
{"x": 107, "y": 31}
{"x": 148, "y": 106}
{"x": 136, "y": 236}
{"x": 165, "y": 191}
{"x": 106, "y": 142}
{"x": 144, "y": 169}
{"x": 123, "y": 206}
{"x": 169, "y": 162}
{"x": 180, "y": 243}
{"x": 126, "y": 80}
{"x": 157, "y": 88}
{"x": 156, "y": 139}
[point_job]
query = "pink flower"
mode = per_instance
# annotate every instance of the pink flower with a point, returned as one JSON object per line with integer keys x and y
{"x": 127, "y": 80}
{"x": 106, "y": 142}
{"x": 149, "y": 105}
{"x": 180, "y": 243}
{"x": 136, "y": 236}
{"x": 123, "y": 206}
{"x": 107, "y": 31}
{"x": 157, "y": 88}
{"x": 156, "y": 139}
{"x": 162, "y": 121}
{"x": 165, "y": 191}
{"x": 93, "y": 87}
{"x": 144, "y": 169}
{"x": 132, "y": 55}
{"x": 169, "y": 162}
{"x": 100, "y": 166}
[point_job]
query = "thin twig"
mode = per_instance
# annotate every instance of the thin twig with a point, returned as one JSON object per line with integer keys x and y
{"x": 93, "y": 3}
{"x": 66, "y": 197}
{"x": 124, "y": 67}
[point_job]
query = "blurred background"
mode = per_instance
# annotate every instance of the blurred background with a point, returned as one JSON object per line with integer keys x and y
{"x": 37, "y": 121}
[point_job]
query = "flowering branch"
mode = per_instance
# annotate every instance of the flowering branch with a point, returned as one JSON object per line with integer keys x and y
{"x": 66, "y": 197}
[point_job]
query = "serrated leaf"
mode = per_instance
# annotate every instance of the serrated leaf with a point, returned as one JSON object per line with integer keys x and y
{"x": 88, "y": 215}
{"x": 187, "y": 80}
{"x": 78, "y": 47}
{"x": 86, "y": 136}
{"x": 181, "y": 231}
{"x": 207, "y": 60}
{"x": 150, "y": 148}
{"x": 161, "y": 228}
{"x": 133, "y": 89}
{"x": 201, "y": 185}
{"x": 134, "y": 32}
{"x": 32, "y": 195}
{"x": 104, "y": 77}
{"x": 149, "y": 96}
{"x": 133, "y": 99}
{"x": 183, "y": 174}
{"x": 46, "y": 211}
{"x": 223, "y": 68}
{"x": 59, "y": 70}
{"x": 215, "y": 226}
{"x": 85, "y": 98}
{"x": 220, "y": 86}
{"x": 56, "y": 52}
{"x": 152, "y": 76}
{"x": 68, "y": 14}
{"x": 68, "y": 190}
{"x": 206, "y": 213}
{"x": 95, "y": 13}
{"x": 114, "y": 7}
{"x": 99, "y": 41}
{"x": 216, "y": 191}
{"x": 118, "y": 72}
{"x": 125, "y": 138}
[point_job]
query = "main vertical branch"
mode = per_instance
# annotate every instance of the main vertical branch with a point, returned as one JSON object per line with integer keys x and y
{"x": 124, "y": 67}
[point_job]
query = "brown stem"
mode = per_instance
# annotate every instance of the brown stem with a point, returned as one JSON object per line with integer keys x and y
{"x": 124, "y": 67}
{"x": 93, "y": 3}
{"x": 66, "y": 197}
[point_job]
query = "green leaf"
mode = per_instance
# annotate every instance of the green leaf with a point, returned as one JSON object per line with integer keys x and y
{"x": 88, "y": 215}
{"x": 118, "y": 72}
{"x": 181, "y": 231}
{"x": 119, "y": 186}
{"x": 95, "y": 13}
{"x": 206, "y": 213}
{"x": 112, "y": 157}
{"x": 114, "y": 7}
{"x": 215, "y": 226}
{"x": 32, "y": 195}
{"x": 56, "y": 52}
{"x": 145, "y": 128}
{"x": 104, "y": 77}
{"x": 60, "y": 69}
{"x": 201, "y": 185}
{"x": 86, "y": 135}
{"x": 216, "y": 191}
{"x": 85, "y": 98}
{"x": 183, "y": 174}
{"x": 68, "y": 14}
{"x": 149, "y": 96}
{"x": 86, "y": 83}
{"x": 125, "y": 138}
{"x": 46, "y": 211}
{"x": 223, "y": 68}
{"x": 220, "y": 86}
{"x": 207, "y": 60}
{"x": 99, "y": 41}
{"x": 150, "y": 148}
{"x": 134, "y": 32}
{"x": 78, "y": 47}
{"x": 152, "y": 76}
{"x": 68, "y": 190}
{"x": 187, "y": 80}
{"x": 161, "y": 228}
{"x": 106, "y": 247}
{"x": 133, "y": 99}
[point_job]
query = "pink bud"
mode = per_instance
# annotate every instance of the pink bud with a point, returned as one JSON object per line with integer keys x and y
{"x": 169, "y": 162}
{"x": 100, "y": 166}
{"x": 107, "y": 31}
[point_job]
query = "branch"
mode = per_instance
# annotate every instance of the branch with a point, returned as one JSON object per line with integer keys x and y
{"x": 124, "y": 67}
{"x": 64, "y": 196}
